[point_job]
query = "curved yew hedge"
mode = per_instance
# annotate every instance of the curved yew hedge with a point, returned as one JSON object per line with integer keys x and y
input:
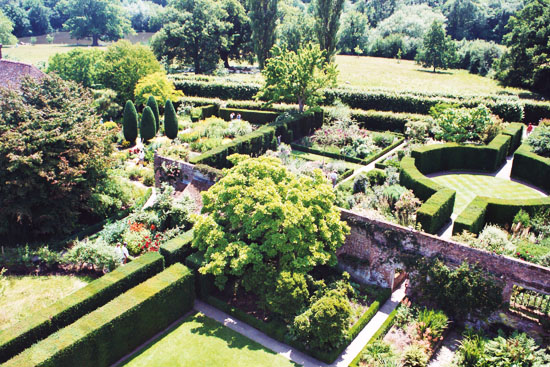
{"x": 531, "y": 168}
{"x": 437, "y": 210}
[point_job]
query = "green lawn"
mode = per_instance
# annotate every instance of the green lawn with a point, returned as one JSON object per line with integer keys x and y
{"x": 200, "y": 341}
{"x": 469, "y": 186}
{"x": 37, "y": 55}
{"x": 24, "y": 295}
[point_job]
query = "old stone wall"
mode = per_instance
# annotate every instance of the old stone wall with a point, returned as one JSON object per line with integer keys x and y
{"x": 380, "y": 245}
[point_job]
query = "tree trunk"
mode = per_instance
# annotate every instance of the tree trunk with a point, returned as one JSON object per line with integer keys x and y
{"x": 95, "y": 40}
{"x": 224, "y": 55}
{"x": 300, "y": 105}
{"x": 197, "y": 65}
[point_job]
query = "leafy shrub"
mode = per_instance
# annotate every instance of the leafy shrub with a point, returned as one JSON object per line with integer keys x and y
{"x": 359, "y": 148}
{"x": 238, "y": 128}
{"x": 466, "y": 125}
{"x": 520, "y": 348}
{"x": 360, "y": 184}
{"x": 430, "y": 325}
{"x": 158, "y": 86}
{"x": 477, "y": 56}
{"x": 379, "y": 354}
{"x": 376, "y": 177}
{"x": 415, "y": 356}
{"x": 539, "y": 141}
{"x": 288, "y": 295}
{"x": 112, "y": 233}
{"x": 494, "y": 239}
{"x": 325, "y": 324}
{"x": 470, "y": 350}
{"x": 406, "y": 207}
{"x": 383, "y": 140}
{"x": 97, "y": 253}
{"x": 417, "y": 131}
{"x": 174, "y": 151}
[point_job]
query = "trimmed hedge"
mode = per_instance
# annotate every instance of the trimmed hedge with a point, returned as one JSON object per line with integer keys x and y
{"x": 515, "y": 130}
{"x": 65, "y": 311}
{"x": 472, "y": 218}
{"x": 531, "y": 167}
{"x": 204, "y": 283}
{"x": 509, "y": 109}
{"x": 288, "y": 127}
{"x": 412, "y": 178}
{"x": 252, "y": 116}
{"x": 436, "y": 210}
{"x": 384, "y": 121}
{"x": 177, "y": 249}
{"x": 110, "y": 332}
{"x": 380, "y": 333}
{"x": 453, "y": 156}
{"x": 200, "y": 113}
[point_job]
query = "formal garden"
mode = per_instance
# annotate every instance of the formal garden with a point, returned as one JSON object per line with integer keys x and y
{"x": 226, "y": 189}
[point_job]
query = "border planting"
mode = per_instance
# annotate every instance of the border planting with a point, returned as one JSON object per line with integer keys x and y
{"x": 110, "y": 332}
{"x": 65, "y": 311}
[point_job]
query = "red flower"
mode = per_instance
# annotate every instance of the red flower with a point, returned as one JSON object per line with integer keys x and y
{"x": 153, "y": 227}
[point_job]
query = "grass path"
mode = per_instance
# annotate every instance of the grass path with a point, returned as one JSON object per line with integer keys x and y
{"x": 469, "y": 186}
{"x": 200, "y": 341}
{"x": 25, "y": 295}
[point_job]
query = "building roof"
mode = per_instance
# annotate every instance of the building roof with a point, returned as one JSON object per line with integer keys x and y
{"x": 12, "y": 73}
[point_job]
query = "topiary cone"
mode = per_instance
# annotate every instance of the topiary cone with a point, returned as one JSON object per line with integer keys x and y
{"x": 170, "y": 120}
{"x": 148, "y": 125}
{"x": 130, "y": 123}
{"x": 152, "y": 103}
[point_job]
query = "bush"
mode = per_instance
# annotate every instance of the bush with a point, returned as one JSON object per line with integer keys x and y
{"x": 415, "y": 356}
{"x": 494, "y": 239}
{"x": 170, "y": 121}
{"x": 465, "y": 125}
{"x": 158, "y": 86}
{"x": 69, "y": 309}
{"x": 539, "y": 141}
{"x": 430, "y": 325}
{"x": 99, "y": 254}
{"x": 152, "y": 103}
{"x": 110, "y": 332}
{"x": 288, "y": 295}
{"x": 148, "y": 125}
{"x": 518, "y": 348}
{"x": 471, "y": 219}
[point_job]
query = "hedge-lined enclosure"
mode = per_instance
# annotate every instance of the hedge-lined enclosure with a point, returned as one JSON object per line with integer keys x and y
{"x": 252, "y": 116}
{"x": 288, "y": 127}
{"x": 177, "y": 249}
{"x": 531, "y": 167}
{"x": 412, "y": 178}
{"x": 69, "y": 309}
{"x": 107, "y": 334}
{"x": 509, "y": 109}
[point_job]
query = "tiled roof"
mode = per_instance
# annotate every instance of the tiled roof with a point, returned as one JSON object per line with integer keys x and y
{"x": 12, "y": 72}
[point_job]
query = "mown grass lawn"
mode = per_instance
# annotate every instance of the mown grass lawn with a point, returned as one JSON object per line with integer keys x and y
{"x": 24, "y": 295}
{"x": 469, "y": 186}
{"x": 37, "y": 55}
{"x": 200, "y": 341}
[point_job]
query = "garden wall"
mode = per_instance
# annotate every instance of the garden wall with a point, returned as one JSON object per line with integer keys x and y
{"x": 383, "y": 247}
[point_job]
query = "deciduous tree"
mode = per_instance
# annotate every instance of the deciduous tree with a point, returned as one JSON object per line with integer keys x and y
{"x": 263, "y": 18}
{"x": 327, "y": 22}
{"x": 438, "y": 50}
{"x": 6, "y": 29}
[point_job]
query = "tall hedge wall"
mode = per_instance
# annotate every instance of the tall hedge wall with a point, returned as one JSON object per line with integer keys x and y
{"x": 437, "y": 210}
{"x": 412, "y": 178}
{"x": 104, "y": 336}
{"x": 46, "y": 321}
{"x": 509, "y": 109}
{"x": 252, "y": 116}
{"x": 515, "y": 130}
{"x": 531, "y": 168}
{"x": 288, "y": 127}
{"x": 177, "y": 249}
{"x": 452, "y": 156}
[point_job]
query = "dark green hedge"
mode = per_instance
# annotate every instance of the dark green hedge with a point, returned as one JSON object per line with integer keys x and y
{"x": 252, "y": 116}
{"x": 384, "y": 121}
{"x": 107, "y": 334}
{"x": 515, "y": 130}
{"x": 534, "y": 111}
{"x": 177, "y": 249}
{"x": 413, "y": 179}
{"x": 531, "y": 168}
{"x": 380, "y": 333}
{"x": 46, "y": 321}
{"x": 452, "y": 156}
{"x": 289, "y": 127}
{"x": 204, "y": 283}
{"x": 433, "y": 214}
{"x": 202, "y": 112}
{"x": 471, "y": 219}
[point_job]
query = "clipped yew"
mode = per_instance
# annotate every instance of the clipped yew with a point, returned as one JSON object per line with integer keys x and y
{"x": 130, "y": 123}
{"x": 170, "y": 120}
{"x": 148, "y": 125}
{"x": 152, "y": 103}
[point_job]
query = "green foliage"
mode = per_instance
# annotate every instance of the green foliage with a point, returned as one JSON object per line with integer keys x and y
{"x": 466, "y": 125}
{"x": 431, "y": 324}
{"x": 525, "y": 63}
{"x": 170, "y": 120}
{"x": 124, "y": 64}
{"x": 177, "y": 249}
{"x": 463, "y": 291}
{"x": 130, "y": 123}
{"x": 478, "y": 56}
{"x": 117, "y": 328}
{"x": 539, "y": 141}
{"x": 288, "y": 295}
{"x": 99, "y": 254}
{"x": 69, "y": 309}
{"x": 438, "y": 49}
{"x": 99, "y": 19}
{"x": 437, "y": 210}
{"x": 250, "y": 235}
{"x": 105, "y": 104}
{"x": 379, "y": 354}
{"x": 152, "y": 104}
{"x": 327, "y": 22}
{"x": 531, "y": 167}
{"x": 296, "y": 27}
{"x": 252, "y": 116}
{"x": 470, "y": 349}
{"x": 415, "y": 356}
{"x": 297, "y": 77}
{"x": 352, "y": 39}
{"x": 44, "y": 187}
{"x": 263, "y": 21}
{"x": 325, "y": 324}
{"x": 6, "y": 29}
{"x": 80, "y": 65}
{"x": 156, "y": 86}
{"x": 147, "y": 129}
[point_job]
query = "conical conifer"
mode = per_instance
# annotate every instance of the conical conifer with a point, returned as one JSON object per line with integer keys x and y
{"x": 148, "y": 125}
{"x": 170, "y": 120}
{"x": 130, "y": 123}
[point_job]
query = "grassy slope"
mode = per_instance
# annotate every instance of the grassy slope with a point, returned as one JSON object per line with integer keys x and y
{"x": 27, "y": 294}
{"x": 37, "y": 55}
{"x": 469, "y": 186}
{"x": 200, "y": 341}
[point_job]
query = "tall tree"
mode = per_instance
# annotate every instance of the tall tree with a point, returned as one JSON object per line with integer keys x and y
{"x": 327, "y": 22}
{"x": 39, "y": 17}
{"x": 438, "y": 50}
{"x": 238, "y": 33}
{"x": 297, "y": 77}
{"x": 263, "y": 18}
{"x": 195, "y": 33}
{"x": 296, "y": 27}
{"x": 6, "y": 29}
{"x": 15, "y": 11}
{"x": 526, "y": 63}
{"x": 353, "y": 35}
{"x": 99, "y": 19}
